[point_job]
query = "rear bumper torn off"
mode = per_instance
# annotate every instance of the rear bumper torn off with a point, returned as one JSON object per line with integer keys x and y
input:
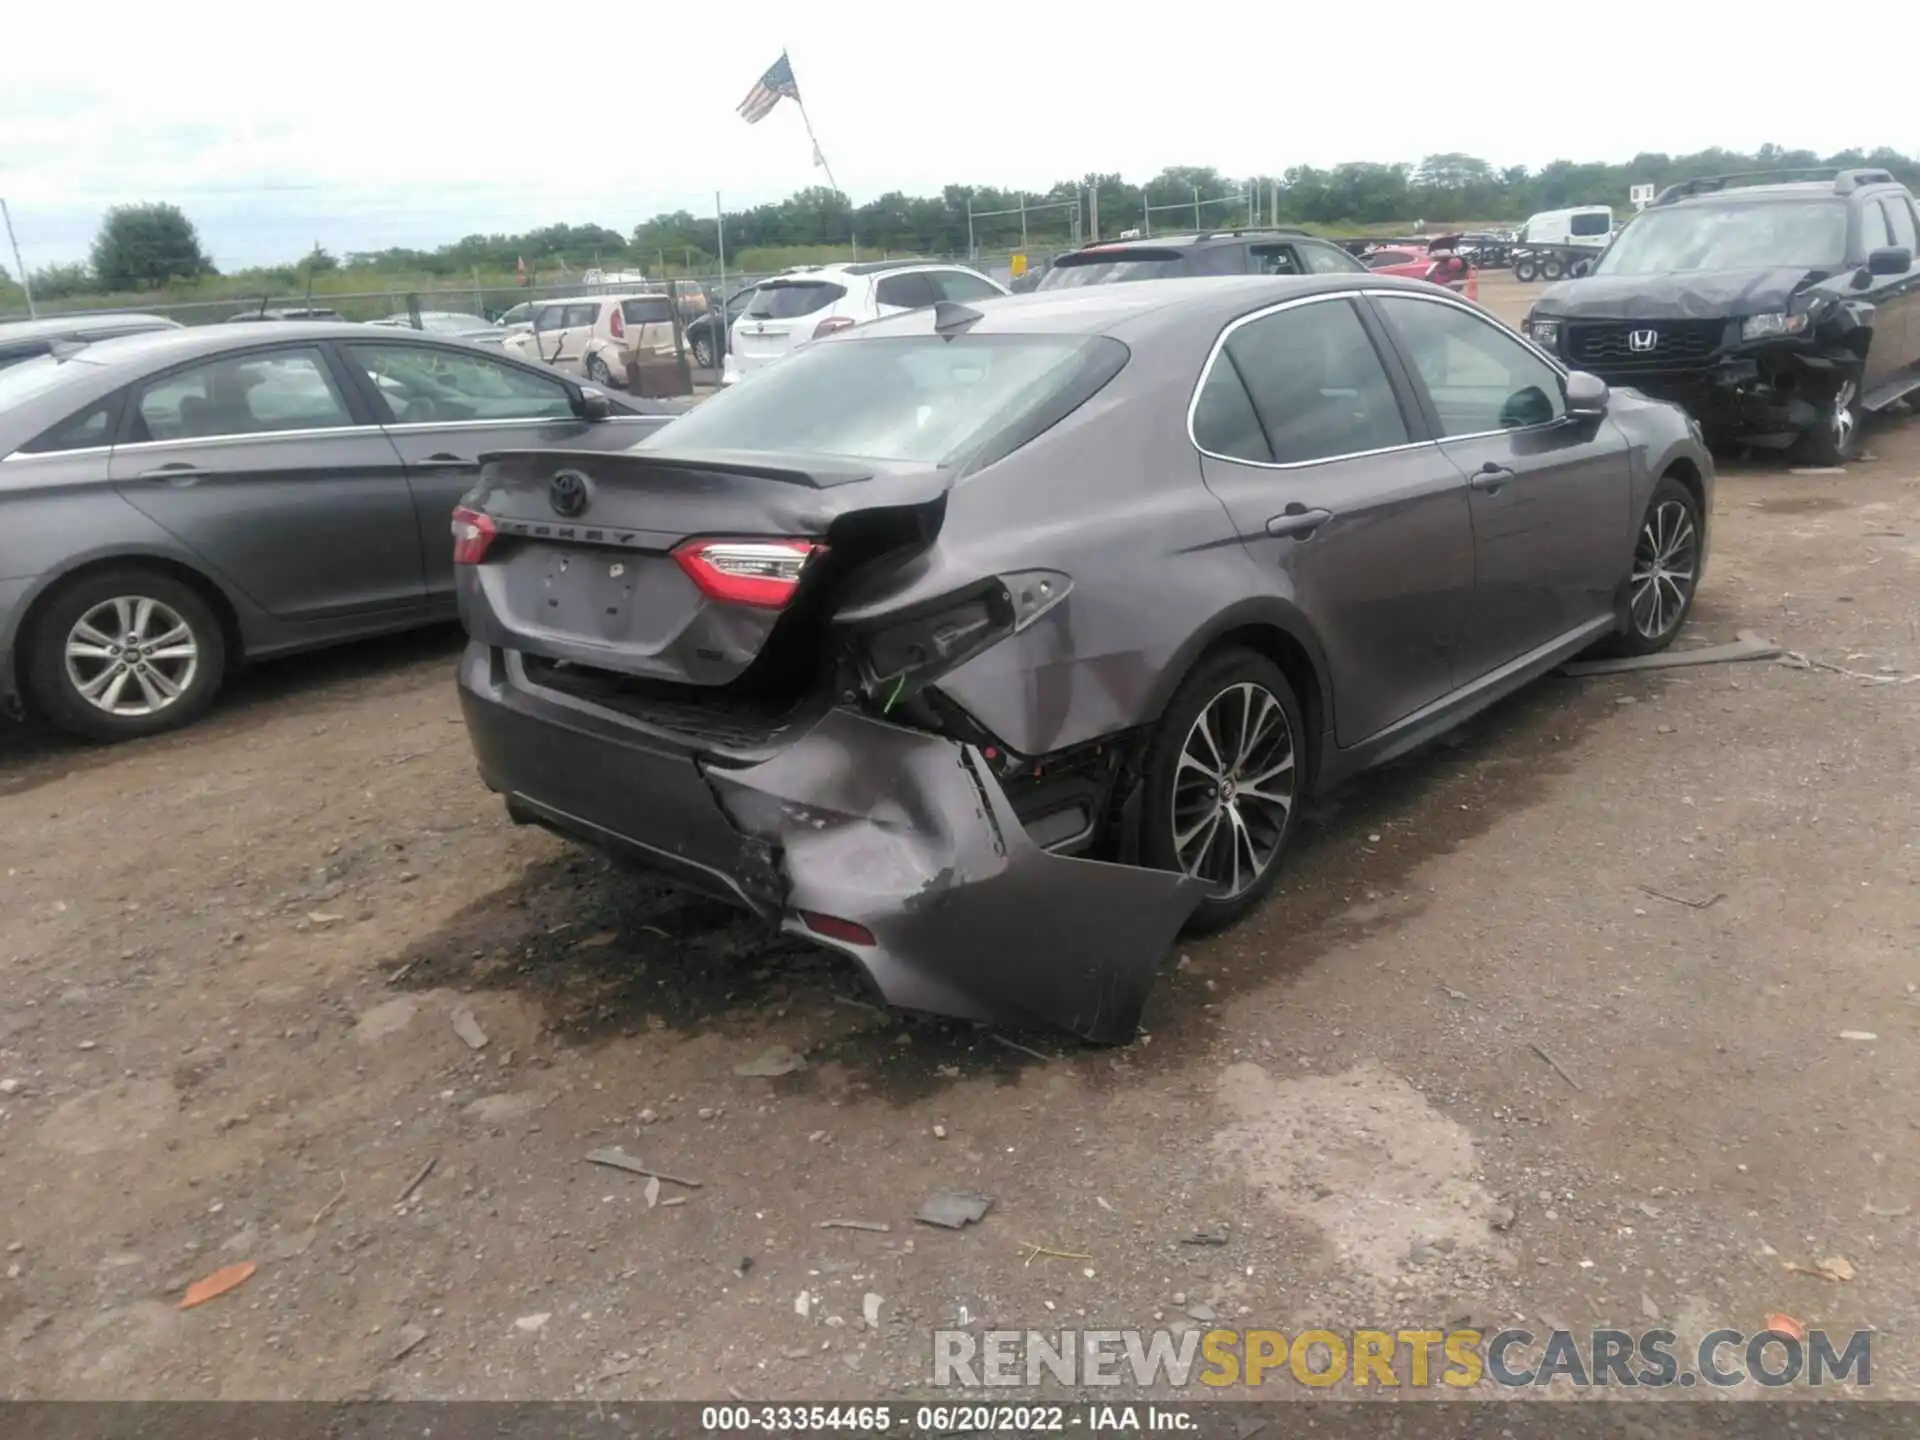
{"x": 904, "y": 834}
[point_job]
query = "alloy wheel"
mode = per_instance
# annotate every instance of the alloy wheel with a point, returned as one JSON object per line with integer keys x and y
{"x": 131, "y": 656}
{"x": 1665, "y": 562}
{"x": 1233, "y": 789}
{"x": 1841, "y": 421}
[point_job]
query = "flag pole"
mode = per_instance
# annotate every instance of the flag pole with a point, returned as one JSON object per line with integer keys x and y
{"x": 819, "y": 155}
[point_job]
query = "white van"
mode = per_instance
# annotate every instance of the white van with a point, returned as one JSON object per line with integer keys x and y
{"x": 1590, "y": 225}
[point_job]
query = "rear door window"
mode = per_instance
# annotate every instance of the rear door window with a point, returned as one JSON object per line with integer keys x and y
{"x": 911, "y": 291}
{"x": 1269, "y": 259}
{"x": 583, "y": 316}
{"x": 1322, "y": 259}
{"x": 550, "y": 317}
{"x": 1316, "y": 384}
{"x": 257, "y": 393}
{"x": 422, "y": 385}
{"x": 790, "y": 299}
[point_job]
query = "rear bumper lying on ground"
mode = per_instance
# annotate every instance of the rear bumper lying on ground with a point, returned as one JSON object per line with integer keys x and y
{"x": 896, "y": 834}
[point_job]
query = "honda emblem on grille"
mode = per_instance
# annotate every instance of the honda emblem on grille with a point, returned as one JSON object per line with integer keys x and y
{"x": 568, "y": 493}
{"x": 1642, "y": 341}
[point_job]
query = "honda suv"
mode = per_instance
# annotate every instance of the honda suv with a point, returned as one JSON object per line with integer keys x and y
{"x": 1776, "y": 312}
{"x": 1214, "y": 252}
{"x": 789, "y": 310}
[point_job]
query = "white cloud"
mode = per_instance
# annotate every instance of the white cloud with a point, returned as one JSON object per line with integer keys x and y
{"x": 363, "y": 124}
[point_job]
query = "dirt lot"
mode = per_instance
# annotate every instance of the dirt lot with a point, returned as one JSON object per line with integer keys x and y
{"x": 1467, "y": 1065}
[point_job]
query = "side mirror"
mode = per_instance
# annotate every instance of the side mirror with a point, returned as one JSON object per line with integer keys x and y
{"x": 1894, "y": 260}
{"x": 593, "y": 406}
{"x": 1587, "y": 395}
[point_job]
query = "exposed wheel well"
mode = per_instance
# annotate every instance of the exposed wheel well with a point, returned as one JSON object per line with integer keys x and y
{"x": 1296, "y": 664}
{"x": 1688, "y": 474}
{"x": 216, "y": 601}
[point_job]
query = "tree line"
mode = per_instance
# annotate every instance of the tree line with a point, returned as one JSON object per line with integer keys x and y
{"x": 149, "y": 247}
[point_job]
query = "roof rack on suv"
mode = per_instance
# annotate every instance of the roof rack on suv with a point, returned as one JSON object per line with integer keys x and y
{"x": 1238, "y": 230}
{"x": 1845, "y": 182}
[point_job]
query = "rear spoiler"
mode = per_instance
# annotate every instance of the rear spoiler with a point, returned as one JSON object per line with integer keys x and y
{"x": 810, "y": 472}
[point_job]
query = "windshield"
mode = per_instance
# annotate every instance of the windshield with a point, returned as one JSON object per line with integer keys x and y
{"x": 32, "y": 377}
{"x": 921, "y": 398}
{"x": 1740, "y": 235}
{"x": 1114, "y": 267}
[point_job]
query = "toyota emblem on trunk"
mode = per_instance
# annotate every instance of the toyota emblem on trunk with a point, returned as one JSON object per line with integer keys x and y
{"x": 568, "y": 494}
{"x": 1642, "y": 341}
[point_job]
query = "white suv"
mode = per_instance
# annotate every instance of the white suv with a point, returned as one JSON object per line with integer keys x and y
{"x": 595, "y": 335}
{"x": 791, "y": 309}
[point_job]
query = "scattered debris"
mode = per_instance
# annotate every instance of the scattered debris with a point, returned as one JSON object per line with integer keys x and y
{"x": 1816, "y": 470}
{"x": 1858, "y": 1035}
{"x": 1034, "y": 1252}
{"x": 1793, "y": 659}
{"x": 803, "y": 1305}
{"x": 320, "y": 919}
{"x": 1888, "y": 1212}
{"x": 999, "y": 1039}
{"x": 1785, "y": 1324}
{"x": 652, "y": 1191}
{"x": 879, "y": 1227}
{"x": 419, "y": 1179}
{"x": 953, "y": 1209}
{"x": 1748, "y": 646}
{"x": 1649, "y": 1308}
{"x": 406, "y": 1340}
{"x": 870, "y": 1310}
{"x": 397, "y": 976}
{"x": 774, "y": 1060}
{"x": 468, "y": 1029}
{"x": 1206, "y": 1237}
{"x": 1707, "y": 903}
{"x": 527, "y": 1324}
{"x": 939, "y": 1132}
{"x": 597, "y": 942}
{"x": 227, "y": 1277}
{"x": 9, "y": 1087}
{"x": 625, "y": 1365}
{"x": 331, "y": 1205}
{"x": 1652, "y": 1212}
{"x": 1101, "y": 1201}
{"x": 656, "y": 930}
{"x": 1453, "y": 994}
{"x": 618, "y": 1159}
{"x": 1558, "y": 1068}
{"x": 1835, "y": 1267}
{"x": 1502, "y": 1218}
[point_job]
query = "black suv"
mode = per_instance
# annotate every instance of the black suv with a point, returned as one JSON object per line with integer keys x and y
{"x": 1774, "y": 311}
{"x": 1212, "y": 252}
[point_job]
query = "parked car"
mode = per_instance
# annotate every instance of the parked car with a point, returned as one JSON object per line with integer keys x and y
{"x": 1776, "y": 311}
{"x": 24, "y": 339}
{"x": 791, "y": 309}
{"x": 707, "y": 333}
{"x": 993, "y": 644}
{"x": 297, "y": 312}
{"x": 1215, "y": 252}
{"x": 1437, "y": 261}
{"x": 518, "y": 317}
{"x": 174, "y": 503}
{"x": 595, "y": 335}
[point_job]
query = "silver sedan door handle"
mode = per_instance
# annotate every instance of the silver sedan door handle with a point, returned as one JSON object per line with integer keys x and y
{"x": 1490, "y": 478}
{"x": 1297, "y": 522}
{"x": 178, "y": 473}
{"x": 442, "y": 461}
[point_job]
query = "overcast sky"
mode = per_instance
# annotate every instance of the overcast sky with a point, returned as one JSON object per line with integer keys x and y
{"x": 412, "y": 123}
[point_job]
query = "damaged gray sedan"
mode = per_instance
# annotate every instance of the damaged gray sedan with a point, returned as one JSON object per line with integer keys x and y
{"x": 995, "y": 645}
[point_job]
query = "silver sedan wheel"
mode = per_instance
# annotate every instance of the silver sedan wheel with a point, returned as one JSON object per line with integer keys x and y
{"x": 131, "y": 656}
{"x": 1842, "y": 421}
{"x": 1665, "y": 562}
{"x": 1234, "y": 789}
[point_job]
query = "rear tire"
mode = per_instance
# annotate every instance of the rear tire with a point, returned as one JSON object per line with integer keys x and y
{"x": 1551, "y": 269}
{"x": 124, "y": 653}
{"x": 703, "y": 352}
{"x": 598, "y": 372}
{"x": 1224, "y": 777}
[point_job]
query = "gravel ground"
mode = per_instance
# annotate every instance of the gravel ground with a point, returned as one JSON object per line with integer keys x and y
{"x": 1489, "y": 1056}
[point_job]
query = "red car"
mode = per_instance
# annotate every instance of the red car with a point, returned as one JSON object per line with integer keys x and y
{"x": 1436, "y": 262}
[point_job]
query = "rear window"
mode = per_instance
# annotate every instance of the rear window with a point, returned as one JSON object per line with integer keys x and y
{"x": 925, "y": 399}
{"x": 647, "y": 310}
{"x": 1110, "y": 267}
{"x": 786, "y": 299}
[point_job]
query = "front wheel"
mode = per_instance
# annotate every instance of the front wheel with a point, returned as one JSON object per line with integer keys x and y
{"x": 1223, "y": 776}
{"x": 123, "y": 654}
{"x": 1664, "y": 573}
{"x": 1525, "y": 270}
{"x": 1837, "y": 435}
{"x": 703, "y": 352}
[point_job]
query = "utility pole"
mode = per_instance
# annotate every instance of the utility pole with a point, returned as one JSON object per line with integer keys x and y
{"x": 26, "y": 284}
{"x": 1196, "y": 208}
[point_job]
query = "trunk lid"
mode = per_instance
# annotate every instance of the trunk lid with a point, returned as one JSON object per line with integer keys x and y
{"x": 584, "y": 569}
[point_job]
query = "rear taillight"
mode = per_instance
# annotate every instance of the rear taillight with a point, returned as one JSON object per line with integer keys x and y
{"x": 761, "y": 573}
{"x": 617, "y": 324}
{"x": 831, "y": 324}
{"x": 473, "y": 532}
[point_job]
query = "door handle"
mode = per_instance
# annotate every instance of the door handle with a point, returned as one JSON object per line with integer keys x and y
{"x": 178, "y": 473}
{"x": 1490, "y": 478}
{"x": 442, "y": 461}
{"x": 1297, "y": 522}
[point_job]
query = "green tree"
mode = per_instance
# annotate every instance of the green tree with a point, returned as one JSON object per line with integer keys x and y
{"x": 143, "y": 247}
{"x": 63, "y": 282}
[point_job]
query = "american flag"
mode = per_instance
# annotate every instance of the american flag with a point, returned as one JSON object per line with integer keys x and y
{"x": 768, "y": 89}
